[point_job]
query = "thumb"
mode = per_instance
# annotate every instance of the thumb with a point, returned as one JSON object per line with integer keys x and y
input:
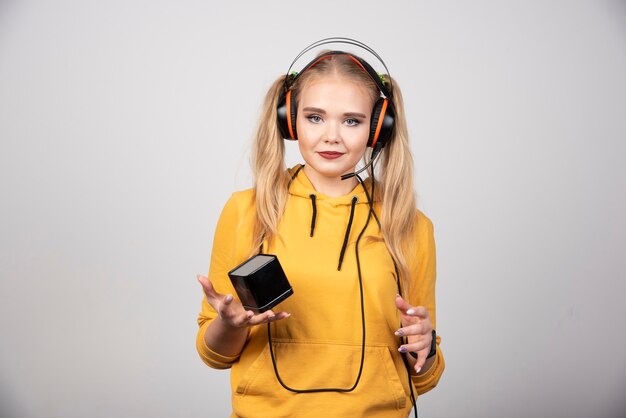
{"x": 207, "y": 286}
{"x": 402, "y": 304}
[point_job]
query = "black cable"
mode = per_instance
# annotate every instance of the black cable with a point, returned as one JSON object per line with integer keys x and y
{"x": 398, "y": 284}
{"x": 404, "y": 359}
{"x": 358, "y": 377}
{"x": 373, "y": 157}
{"x": 370, "y": 201}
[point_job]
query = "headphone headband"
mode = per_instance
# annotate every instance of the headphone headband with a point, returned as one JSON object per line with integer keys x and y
{"x": 358, "y": 60}
{"x": 388, "y": 92}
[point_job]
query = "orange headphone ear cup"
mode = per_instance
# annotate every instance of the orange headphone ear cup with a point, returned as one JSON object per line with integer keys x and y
{"x": 286, "y": 116}
{"x": 293, "y": 114}
{"x": 381, "y": 123}
{"x": 281, "y": 117}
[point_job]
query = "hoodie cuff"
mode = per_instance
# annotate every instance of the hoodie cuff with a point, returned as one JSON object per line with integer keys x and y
{"x": 212, "y": 358}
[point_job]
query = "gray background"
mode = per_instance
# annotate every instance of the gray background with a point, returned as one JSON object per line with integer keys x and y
{"x": 125, "y": 125}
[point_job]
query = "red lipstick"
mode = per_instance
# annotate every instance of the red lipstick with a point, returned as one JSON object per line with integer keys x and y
{"x": 330, "y": 155}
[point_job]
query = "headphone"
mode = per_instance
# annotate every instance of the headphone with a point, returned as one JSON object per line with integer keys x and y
{"x": 382, "y": 121}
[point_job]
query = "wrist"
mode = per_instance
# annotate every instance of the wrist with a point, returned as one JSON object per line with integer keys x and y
{"x": 228, "y": 327}
{"x": 224, "y": 338}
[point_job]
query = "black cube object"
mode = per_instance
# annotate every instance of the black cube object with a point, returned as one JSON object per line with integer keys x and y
{"x": 260, "y": 283}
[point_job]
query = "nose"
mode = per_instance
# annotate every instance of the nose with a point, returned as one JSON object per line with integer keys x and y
{"x": 332, "y": 133}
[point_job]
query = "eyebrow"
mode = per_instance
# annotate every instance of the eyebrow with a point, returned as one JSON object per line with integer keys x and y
{"x": 323, "y": 112}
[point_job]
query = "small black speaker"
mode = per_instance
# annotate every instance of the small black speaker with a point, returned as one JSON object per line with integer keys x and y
{"x": 260, "y": 283}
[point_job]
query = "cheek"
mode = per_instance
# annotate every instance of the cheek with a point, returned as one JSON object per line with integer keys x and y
{"x": 358, "y": 139}
{"x": 306, "y": 130}
{"x": 357, "y": 151}
{"x": 304, "y": 144}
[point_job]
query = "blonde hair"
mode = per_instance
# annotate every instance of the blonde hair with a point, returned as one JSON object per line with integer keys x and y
{"x": 394, "y": 186}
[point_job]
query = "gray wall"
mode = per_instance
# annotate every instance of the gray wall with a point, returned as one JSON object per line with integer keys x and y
{"x": 125, "y": 125}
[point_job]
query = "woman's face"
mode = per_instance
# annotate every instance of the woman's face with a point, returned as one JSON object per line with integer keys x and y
{"x": 333, "y": 124}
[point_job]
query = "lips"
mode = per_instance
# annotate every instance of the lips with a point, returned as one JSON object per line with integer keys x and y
{"x": 330, "y": 155}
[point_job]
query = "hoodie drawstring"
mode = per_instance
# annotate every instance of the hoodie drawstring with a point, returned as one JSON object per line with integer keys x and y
{"x": 312, "y": 196}
{"x": 345, "y": 238}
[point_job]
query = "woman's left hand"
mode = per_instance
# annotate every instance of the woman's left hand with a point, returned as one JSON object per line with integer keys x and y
{"x": 417, "y": 327}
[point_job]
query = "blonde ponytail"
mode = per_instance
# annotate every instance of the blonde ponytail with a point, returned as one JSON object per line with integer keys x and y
{"x": 397, "y": 193}
{"x": 268, "y": 167}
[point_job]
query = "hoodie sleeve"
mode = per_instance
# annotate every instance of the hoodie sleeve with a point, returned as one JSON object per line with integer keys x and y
{"x": 223, "y": 259}
{"x": 423, "y": 294}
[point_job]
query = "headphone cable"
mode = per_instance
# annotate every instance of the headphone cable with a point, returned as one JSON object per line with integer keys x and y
{"x": 370, "y": 201}
{"x": 361, "y": 298}
{"x": 399, "y": 286}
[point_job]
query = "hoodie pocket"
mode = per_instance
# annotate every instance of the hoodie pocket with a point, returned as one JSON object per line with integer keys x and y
{"x": 320, "y": 365}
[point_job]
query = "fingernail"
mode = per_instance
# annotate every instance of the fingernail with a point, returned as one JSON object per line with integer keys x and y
{"x": 417, "y": 370}
{"x": 410, "y": 311}
{"x": 399, "y": 333}
{"x": 402, "y": 349}
{"x": 228, "y": 298}
{"x": 398, "y": 295}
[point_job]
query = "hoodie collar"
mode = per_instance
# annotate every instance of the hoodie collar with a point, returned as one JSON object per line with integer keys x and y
{"x": 301, "y": 186}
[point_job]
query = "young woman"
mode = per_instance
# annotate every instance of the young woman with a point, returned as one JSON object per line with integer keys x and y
{"x": 356, "y": 338}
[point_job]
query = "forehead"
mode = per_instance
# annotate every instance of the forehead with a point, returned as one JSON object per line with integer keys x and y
{"x": 335, "y": 91}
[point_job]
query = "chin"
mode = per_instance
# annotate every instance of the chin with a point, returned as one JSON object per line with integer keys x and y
{"x": 326, "y": 169}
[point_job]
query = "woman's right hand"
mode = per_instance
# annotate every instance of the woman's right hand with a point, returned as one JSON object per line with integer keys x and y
{"x": 231, "y": 311}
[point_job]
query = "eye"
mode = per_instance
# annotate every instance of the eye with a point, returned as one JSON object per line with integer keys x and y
{"x": 314, "y": 118}
{"x": 352, "y": 122}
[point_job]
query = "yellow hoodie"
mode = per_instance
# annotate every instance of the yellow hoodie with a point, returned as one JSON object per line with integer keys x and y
{"x": 319, "y": 346}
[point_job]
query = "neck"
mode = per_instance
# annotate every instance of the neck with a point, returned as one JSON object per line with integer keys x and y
{"x": 330, "y": 186}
